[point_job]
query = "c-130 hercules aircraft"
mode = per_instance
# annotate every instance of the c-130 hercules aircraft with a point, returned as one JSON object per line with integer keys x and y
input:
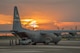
{"x": 35, "y": 36}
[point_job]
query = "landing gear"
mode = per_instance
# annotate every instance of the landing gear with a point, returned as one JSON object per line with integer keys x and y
{"x": 47, "y": 40}
{"x": 46, "y": 43}
{"x": 56, "y": 43}
{"x": 34, "y": 43}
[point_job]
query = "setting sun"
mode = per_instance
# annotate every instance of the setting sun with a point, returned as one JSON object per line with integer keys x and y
{"x": 34, "y": 24}
{"x": 41, "y": 16}
{"x": 30, "y": 23}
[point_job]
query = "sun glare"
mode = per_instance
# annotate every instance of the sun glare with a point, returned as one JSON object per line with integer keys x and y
{"x": 27, "y": 20}
{"x": 34, "y": 24}
{"x": 30, "y": 23}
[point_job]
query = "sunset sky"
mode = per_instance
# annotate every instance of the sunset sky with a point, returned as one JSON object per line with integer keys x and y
{"x": 48, "y": 14}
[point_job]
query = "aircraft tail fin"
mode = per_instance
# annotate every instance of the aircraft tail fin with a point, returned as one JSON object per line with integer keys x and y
{"x": 16, "y": 20}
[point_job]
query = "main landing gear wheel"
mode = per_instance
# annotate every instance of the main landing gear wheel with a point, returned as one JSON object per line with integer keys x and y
{"x": 34, "y": 43}
{"x": 46, "y": 43}
{"x": 47, "y": 40}
{"x": 56, "y": 43}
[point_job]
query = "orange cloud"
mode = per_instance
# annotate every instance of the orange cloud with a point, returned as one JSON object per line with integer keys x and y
{"x": 5, "y": 19}
{"x": 42, "y": 21}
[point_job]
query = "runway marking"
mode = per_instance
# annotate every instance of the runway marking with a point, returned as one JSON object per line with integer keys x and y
{"x": 41, "y": 46}
{"x": 60, "y": 47}
{"x": 27, "y": 51}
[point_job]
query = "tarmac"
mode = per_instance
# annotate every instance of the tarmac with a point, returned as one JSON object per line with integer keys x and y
{"x": 62, "y": 47}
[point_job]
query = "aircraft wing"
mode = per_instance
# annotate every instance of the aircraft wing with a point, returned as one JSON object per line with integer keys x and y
{"x": 58, "y": 31}
{"x": 7, "y": 31}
